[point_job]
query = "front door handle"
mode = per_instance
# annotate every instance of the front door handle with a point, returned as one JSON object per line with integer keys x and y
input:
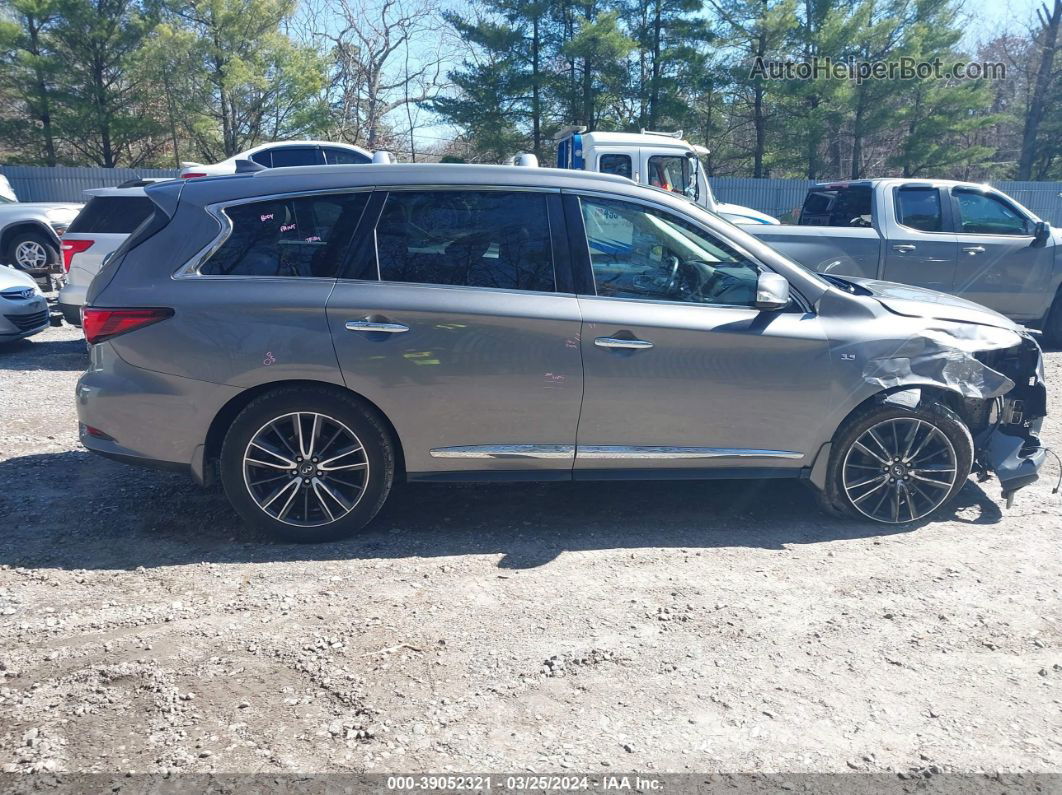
{"x": 903, "y": 248}
{"x": 370, "y": 325}
{"x": 617, "y": 342}
{"x": 974, "y": 250}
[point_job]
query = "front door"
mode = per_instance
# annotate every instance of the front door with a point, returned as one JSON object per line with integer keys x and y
{"x": 922, "y": 250}
{"x": 680, "y": 370}
{"x": 1000, "y": 266}
{"x": 454, "y": 323}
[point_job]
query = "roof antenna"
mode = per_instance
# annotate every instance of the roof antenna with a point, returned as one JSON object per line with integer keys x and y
{"x": 382, "y": 156}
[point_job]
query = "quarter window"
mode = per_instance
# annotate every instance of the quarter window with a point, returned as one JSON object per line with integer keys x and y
{"x": 616, "y": 164}
{"x": 300, "y": 236}
{"x": 335, "y": 156}
{"x": 638, "y": 252}
{"x": 980, "y": 213}
{"x": 497, "y": 239}
{"x": 919, "y": 208}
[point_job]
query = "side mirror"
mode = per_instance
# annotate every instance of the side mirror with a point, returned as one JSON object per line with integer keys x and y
{"x": 772, "y": 291}
{"x": 1041, "y": 232}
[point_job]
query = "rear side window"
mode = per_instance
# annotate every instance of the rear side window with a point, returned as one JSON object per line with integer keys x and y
{"x": 919, "y": 208}
{"x": 297, "y": 156}
{"x": 302, "y": 236}
{"x": 112, "y": 215}
{"x": 847, "y": 206}
{"x": 495, "y": 239}
{"x": 616, "y": 164}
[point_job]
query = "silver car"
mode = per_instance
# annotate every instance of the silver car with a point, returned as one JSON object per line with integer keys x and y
{"x": 312, "y": 335}
{"x": 23, "y": 309}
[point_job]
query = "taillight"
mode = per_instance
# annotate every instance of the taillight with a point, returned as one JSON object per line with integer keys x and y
{"x": 72, "y": 247}
{"x": 191, "y": 174}
{"x": 104, "y": 324}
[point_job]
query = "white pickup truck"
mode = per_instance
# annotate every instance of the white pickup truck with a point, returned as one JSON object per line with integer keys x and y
{"x": 961, "y": 238}
{"x": 658, "y": 159}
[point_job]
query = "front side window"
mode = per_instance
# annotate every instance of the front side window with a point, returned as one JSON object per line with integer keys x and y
{"x": 497, "y": 239}
{"x": 304, "y": 236}
{"x": 670, "y": 172}
{"x": 980, "y": 213}
{"x": 919, "y": 208}
{"x": 619, "y": 165}
{"x": 639, "y": 252}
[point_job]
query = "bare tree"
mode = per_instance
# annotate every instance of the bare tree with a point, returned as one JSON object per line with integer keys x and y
{"x": 387, "y": 55}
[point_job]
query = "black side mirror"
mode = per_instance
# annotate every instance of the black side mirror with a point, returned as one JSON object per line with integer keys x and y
{"x": 1041, "y": 232}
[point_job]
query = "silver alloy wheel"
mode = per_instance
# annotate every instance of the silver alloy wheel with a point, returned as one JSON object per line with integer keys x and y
{"x": 31, "y": 254}
{"x": 899, "y": 470}
{"x": 305, "y": 469}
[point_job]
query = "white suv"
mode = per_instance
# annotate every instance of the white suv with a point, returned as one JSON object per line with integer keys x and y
{"x": 106, "y": 221}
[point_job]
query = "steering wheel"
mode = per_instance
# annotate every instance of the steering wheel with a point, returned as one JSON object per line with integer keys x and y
{"x": 672, "y": 282}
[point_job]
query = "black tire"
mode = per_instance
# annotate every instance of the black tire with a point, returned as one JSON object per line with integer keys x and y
{"x": 835, "y": 498}
{"x": 1053, "y": 324}
{"x": 50, "y": 250}
{"x": 343, "y": 410}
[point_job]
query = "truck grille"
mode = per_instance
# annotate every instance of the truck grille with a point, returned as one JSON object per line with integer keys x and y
{"x": 27, "y": 322}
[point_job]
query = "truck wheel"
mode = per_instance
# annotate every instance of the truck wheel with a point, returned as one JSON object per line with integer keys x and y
{"x": 894, "y": 465}
{"x": 306, "y": 464}
{"x": 1053, "y": 326}
{"x": 32, "y": 251}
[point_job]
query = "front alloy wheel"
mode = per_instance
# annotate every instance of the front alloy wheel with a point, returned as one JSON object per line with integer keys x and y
{"x": 899, "y": 470}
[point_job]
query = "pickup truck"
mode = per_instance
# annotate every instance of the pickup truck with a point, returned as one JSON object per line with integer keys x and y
{"x": 955, "y": 237}
{"x": 30, "y": 234}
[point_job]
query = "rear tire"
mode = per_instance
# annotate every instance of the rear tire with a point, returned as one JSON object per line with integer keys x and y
{"x": 33, "y": 252}
{"x": 306, "y": 464}
{"x": 894, "y": 465}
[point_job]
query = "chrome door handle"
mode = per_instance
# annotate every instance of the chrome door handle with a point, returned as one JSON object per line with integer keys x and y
{"x": 972, "y": 250}
{"x": 369, "y": 325}
{"x": 903, "y": 248}
{"x": 616, "y": 342}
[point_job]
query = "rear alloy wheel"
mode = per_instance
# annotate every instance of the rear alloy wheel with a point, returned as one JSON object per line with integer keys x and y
{"x": 893, "y": 465}
{"x": 307, "y": 465}
{"x": 31, "y": 251}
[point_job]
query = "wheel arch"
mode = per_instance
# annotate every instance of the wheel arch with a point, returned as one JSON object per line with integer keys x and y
{"x": 215, "y": 435}
{"x": 18, "y": 227}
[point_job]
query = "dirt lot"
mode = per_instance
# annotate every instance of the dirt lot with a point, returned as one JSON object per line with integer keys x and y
{"x": 584, "y": 627}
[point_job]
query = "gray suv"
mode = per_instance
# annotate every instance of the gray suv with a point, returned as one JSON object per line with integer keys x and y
{"x": 311, "y": 335}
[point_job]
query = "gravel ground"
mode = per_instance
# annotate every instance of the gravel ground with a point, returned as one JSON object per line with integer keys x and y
{"x": 585, "y": 627}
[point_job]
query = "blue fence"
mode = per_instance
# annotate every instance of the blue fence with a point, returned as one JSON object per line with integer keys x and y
{"x": 777, "y": 197}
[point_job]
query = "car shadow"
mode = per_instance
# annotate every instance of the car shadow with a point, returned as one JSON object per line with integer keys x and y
{"x": 73, "y": 510}
{"x": 32, "y": 354}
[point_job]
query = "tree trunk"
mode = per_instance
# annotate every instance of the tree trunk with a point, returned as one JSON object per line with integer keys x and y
{"x": 536, "y": 99}
{"x": 654, "y": 78}
{"x": 1035, "y": 113}
{"x": 44, "y": 109}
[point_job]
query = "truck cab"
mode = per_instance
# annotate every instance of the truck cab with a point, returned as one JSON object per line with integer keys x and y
{"x": 657, "y": 159}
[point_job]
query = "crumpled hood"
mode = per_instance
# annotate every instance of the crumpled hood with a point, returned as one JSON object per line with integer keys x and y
{"x": 903, "y": 299}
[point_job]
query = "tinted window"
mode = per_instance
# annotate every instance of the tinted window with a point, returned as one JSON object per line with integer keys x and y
{"x": 466, "y": 238}
{"x": 304, "y": 236}
{"x": 845, "y": 206}
{"x": 983, "y": 214}
{"x": 919, "y": 208}
{"x": 264, "y": 158}
{"x": 298, "y": 156}
{"x": 616, "y": 164}
{"x": 112, "y": 215}
{"x": 342, "y": 157}
{"x": 639, "y": 252}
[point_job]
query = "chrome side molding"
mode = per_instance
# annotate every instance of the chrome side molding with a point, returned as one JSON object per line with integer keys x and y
{"x": 565, "y": 451}
{"x": 604, "y": 452}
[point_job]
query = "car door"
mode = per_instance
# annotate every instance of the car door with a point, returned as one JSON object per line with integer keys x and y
{"x": 921, "y": 248}
{"x": 458, "y": 320}
{"x": 681, "y": 371}
{"x": 1000, "y": 263}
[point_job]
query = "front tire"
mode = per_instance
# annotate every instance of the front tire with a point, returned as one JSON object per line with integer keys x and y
{"x": 306, "y": 464}
{"x": 33, "y": 252}
{"x": 894, "y": 465}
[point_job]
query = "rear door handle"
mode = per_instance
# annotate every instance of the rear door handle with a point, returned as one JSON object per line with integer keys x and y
{"x": 616, "y": 342}
{"x": 370, "y": 325}
{"x": 973, "y": 250}
{"x": 903, "y": 248}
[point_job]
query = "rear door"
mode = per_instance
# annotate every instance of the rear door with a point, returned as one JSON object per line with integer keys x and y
{"x": 920, "y": 248}
{"x": 457, "y": 318}
{"x": 999, "y": 264}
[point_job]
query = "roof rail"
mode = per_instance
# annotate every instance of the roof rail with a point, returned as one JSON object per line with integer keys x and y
{"x": 675, "y": 134}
